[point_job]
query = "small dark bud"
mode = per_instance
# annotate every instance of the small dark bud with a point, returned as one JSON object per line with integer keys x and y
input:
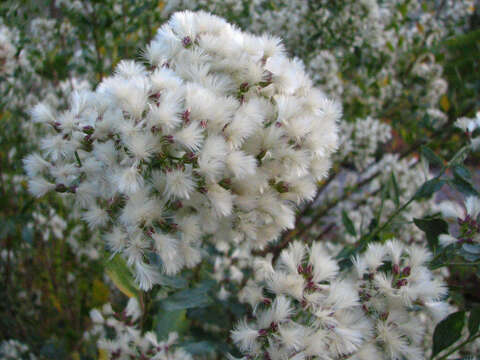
{"x": 61, "y": 188}
{"x": 186, "y": 116}
{"x": 177, "y": 205}
{"x": 401, "y": 282}
{"x": 190, "y": 157}
{"x": 88, "y": 139}
{"x": 309, "y": 269}
{"x": 310, "y": 285}
{"x": 88, "y": 130}
{"x": 282, "y": 187}
{"x": 268, "y": 77}
{"x": 169, "y": 139}
{"x": 261, "y": 155}
{"x": 262, "y": 332}
{"x": 225, "y": 183}
{"x": 187, "y": 41}
{"x": 150, "y": 231}
{"x": 244, "y": 87}
{"x": 396, "y": 269}
{"x": 57, "y": 126}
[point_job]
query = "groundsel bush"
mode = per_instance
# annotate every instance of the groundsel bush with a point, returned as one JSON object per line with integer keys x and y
{"x": 304, "y": 307}
{"x": 193, "y": 172}
{"x": 118, "y": 335}
{"x": 218, "y": 136}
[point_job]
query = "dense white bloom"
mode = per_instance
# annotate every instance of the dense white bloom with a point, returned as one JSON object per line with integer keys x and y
{"x": 39, "y": 186}
{"x": 13, "y": 350}
{"x": 466, "y": 215}
{"x": 472, "y": 205}
{"x": 7, "y": 51}
{"x": 120, "y": 337}
{"x": 468, "y": 124}
{"x": 333, "y": 314}
{"x": 359, "y": 140}
{"x": 223, "y": 125}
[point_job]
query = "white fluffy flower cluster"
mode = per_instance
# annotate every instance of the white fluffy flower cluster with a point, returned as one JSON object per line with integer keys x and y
{"x": 359, "y": 140}
{"x": 118, "y": 335}
{"x": 220, "y": 135}
{"x": 325, "y": 71}
{"x": 469, "y": 126}
{"x": 7, "y": 51}
{"x": 466, "y": 217}
{"x": 305, "y": 307}
{"x": 15, "y": 350}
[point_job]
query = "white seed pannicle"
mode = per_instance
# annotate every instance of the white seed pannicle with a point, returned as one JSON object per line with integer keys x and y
{"x": 220, "y": 125}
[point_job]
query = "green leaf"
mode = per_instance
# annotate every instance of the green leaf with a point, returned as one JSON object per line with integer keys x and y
{"x": 442, "y": 257}
{"x": 469, "y": 256}
{"x": 384, "y": 195}
{"x": 448, "y": 331}
{"x": 199, "y": 348}
{"x": 432, "y": 227}
{"x": 396, "y": 191}
{"x": 7, "y": 227}
{"x": 118, "y": 270}
{"x": 175, "y": 282}
{"x": 209, "y": 315}
{"x": 347, "y": 222}
{"x": 429, "y": 188}
{"x": 432, "y": 158}
{"x": 54, "y": 349}
{"x": 464, "y": 186}
{"x": 460, "y": 156}
{"x": 471, "y": 248}
{"x": 462, "y": 172}
{"x": 470, "y": 252}
{"x": 189, "y": 298}
{"x": 27, "y": 235}
{"x": 474, "y": 320}
{"x": 166, "y": 322}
